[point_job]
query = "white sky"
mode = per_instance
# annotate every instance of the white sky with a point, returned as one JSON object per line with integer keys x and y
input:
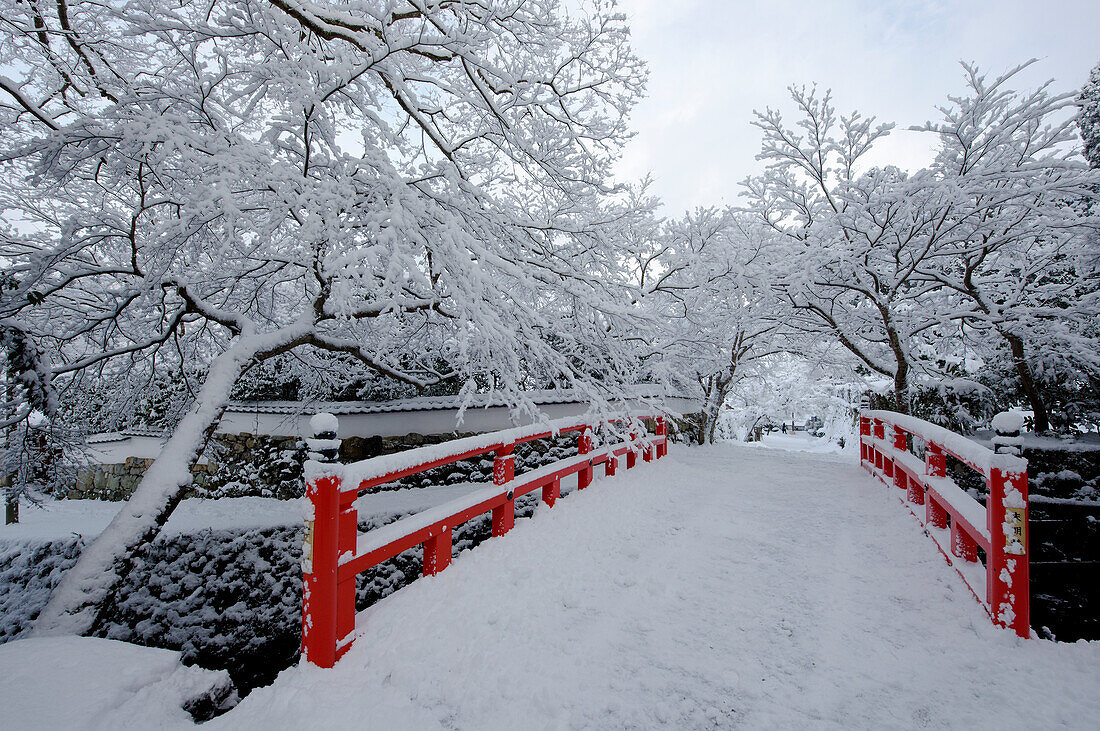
{"x": 712, "y": 62}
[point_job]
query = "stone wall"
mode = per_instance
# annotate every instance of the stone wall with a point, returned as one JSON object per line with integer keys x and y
{"x": 117, "y": 481}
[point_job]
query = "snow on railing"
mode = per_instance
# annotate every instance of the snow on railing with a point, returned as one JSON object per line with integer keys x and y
{"x": 999, "y": 529}
{"x": 335, "y": 553}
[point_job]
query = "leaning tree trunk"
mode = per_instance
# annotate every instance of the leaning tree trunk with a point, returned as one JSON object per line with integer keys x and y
{"x": 1027, "y": 383}
{"x": 74, "y": 606}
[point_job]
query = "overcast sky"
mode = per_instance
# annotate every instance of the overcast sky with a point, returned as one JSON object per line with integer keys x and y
{"x": 712, "y": 62}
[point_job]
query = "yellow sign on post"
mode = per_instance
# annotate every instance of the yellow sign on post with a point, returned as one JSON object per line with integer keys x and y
{"x": 1015, "y": 531}
{"x": 307, "y": 547}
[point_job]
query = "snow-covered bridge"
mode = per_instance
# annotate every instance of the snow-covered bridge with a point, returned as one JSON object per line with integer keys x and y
{"x": 717, "y": 587}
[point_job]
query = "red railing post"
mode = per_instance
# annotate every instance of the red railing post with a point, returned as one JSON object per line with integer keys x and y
{"x": 962, "y": 545}
{"x": 879, "y": 432}
{"x": 914, "y": 492}
{"x": 610, "y": 465}
{"x": 865, "y": 455}
{"x": 320, "y": 552}
{"x": 347, "y": 537}
{"x": 584, "y": 446}
{"x": 935, "y": 514}
{"x": 935, "y": 461}
{"x": 1008, "y": 574}
{"x": 631, "y": 455}
{"x": 551, "y": 491}
{"x": 504, "y": 470}
{"x": 437, "y": 552}
{"x": 900, "y": 445}
{"x": 647, "y": 450}
{"x": 935, "y": 465}
{"x": 662, "y": 431}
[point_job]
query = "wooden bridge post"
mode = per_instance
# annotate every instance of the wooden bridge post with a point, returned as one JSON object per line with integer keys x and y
{"x": 865, "y": 454}
{"x": 631, "y": 455}
{"x": 584, "y": 446}
{"x": 963, "y": 545}
{"x": 320, "y": 552}
{"x": 347, "y": 536}
{"x": 879, "y": 432}
{"x": 662, "y": 431}
{"x": 551, "y": 492}
{"x": 437, "y": 551}
{"x": 900, "y": 445}
{"x": 935, "y": 465}
{"x": 1008, "y": 574}
{"x": 504, "y": 471}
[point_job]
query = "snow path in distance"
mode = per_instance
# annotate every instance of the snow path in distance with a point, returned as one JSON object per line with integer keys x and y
{"x": 719, "y": 587}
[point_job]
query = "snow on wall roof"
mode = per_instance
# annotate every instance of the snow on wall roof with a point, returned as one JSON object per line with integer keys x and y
{"x": 418, "y": 403}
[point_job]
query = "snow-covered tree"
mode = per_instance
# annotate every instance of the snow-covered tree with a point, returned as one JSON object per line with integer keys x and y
{"x": 991, "y": 239}
{"x": 1018, "y": 257}
{"x": 710, "y": 280}
{"x": 850, "y": 242}
{"x": 417, "y": 185}
{"x": 1088, "y": 117}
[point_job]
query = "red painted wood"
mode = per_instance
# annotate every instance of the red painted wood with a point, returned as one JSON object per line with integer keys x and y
{"x": 437, "y": 551}
{"x": 1008, "y": 578}
{"x": 962, "y": 545}
{"x": 551, "y": 492}
{"x": 319, "y": 595}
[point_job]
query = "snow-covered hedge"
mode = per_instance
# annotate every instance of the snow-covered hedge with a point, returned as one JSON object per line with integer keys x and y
{"x": 28, "y": 573}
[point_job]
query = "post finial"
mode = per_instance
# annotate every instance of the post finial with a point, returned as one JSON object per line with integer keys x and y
{"x": 323, "y": 443}
{"x": 1007, "y": 426}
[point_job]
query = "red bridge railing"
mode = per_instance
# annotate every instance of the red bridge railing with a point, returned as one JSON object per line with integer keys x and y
{"x": 953, "y": 517}
{"x": 335, "y": 552}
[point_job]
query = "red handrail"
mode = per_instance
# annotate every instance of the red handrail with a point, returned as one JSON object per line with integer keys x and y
{"x": 1000, "y": 528}
{"x": 335, "y": 553}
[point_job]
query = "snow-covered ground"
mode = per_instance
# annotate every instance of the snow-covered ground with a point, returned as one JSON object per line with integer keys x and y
{"x": 802, "y": 442}
{"x": 92, "y": 683}
{"x": 63, "y": 518}
{"x": 720, "y": 587}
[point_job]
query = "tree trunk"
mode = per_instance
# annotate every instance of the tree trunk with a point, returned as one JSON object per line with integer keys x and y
{"x": 74, "y": 606}
{"x": 901, "y": 372}
{"x": 715, "y": 389}
{"x": 11, "y": 507}
{"x": 901, "y": 388}
{"x": 1027, "y": 383}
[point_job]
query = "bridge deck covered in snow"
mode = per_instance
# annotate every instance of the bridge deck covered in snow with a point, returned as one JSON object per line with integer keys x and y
{"x": 718, "y": 587}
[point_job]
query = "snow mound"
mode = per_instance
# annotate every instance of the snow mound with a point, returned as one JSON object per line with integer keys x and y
{"x": 1008, "y": 422}
{"x": 105, "y": 684}
{"x": 323, "y": 422}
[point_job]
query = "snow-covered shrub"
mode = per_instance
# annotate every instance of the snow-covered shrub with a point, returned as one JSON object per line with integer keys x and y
{"x": 256, "y": 466}
{"x": 960, "y": 405}
{"x": 28, "y": 573}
